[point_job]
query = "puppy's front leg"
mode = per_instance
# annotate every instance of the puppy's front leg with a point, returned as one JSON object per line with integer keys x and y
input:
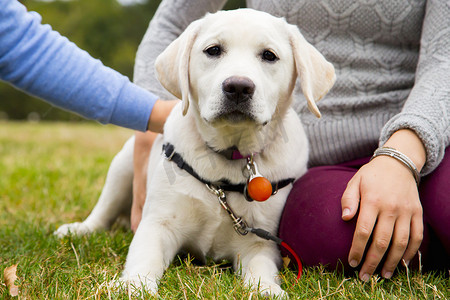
{"x": 151, "y": 251}
{"x": 259, "y": 268}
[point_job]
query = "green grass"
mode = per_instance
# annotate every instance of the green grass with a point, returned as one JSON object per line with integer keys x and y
{"x": 52, "y": 173}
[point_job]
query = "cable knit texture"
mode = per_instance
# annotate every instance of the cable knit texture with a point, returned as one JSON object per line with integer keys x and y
{"x": 392, "y": 60}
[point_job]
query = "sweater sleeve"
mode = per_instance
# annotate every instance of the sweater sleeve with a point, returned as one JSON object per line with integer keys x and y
{"x": 170, "y": 20}
{"x": 427, "y": 109}
{"x": 41, "y": 62}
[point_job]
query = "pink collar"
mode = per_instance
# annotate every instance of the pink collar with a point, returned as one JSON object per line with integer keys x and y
{"x": 237, "y": 155}
{"x": 231, "y": 153}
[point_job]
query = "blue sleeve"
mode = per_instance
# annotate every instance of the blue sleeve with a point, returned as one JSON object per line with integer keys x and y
{"x": 41, "y": 62}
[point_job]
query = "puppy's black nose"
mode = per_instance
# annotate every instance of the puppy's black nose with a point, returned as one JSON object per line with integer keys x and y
{"x": 238, "y": 89}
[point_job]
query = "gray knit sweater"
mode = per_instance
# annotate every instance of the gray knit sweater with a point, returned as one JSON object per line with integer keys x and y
{"x": 392, "y": 60}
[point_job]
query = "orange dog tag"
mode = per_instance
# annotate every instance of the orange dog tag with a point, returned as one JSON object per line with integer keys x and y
{"x": 259, "y": 188}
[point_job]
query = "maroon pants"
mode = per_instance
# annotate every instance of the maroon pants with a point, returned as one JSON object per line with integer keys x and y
{"x": 311, "y": 222}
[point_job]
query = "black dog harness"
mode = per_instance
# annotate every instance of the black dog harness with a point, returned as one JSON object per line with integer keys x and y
{"x": 224, "y": 184}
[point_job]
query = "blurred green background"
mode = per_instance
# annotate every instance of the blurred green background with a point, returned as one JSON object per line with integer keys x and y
{"x": 109, "y": 30}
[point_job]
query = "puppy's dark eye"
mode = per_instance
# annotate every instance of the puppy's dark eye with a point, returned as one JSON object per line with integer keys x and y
{"x": 213, "y": 51}
{"x": 269, "y": 56}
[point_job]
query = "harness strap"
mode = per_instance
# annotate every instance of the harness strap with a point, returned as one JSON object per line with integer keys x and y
{"x": 224, "y": 184}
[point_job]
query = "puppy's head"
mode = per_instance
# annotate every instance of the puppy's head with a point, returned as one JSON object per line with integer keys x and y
{"x": 240, "y": 67}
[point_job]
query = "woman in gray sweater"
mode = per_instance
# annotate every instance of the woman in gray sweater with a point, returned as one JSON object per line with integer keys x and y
{"x": 392, "y": 60}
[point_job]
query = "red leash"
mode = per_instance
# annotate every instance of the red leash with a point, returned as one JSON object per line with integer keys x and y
{"x": 268, "y": 236}
{"x": 297, "y": 259}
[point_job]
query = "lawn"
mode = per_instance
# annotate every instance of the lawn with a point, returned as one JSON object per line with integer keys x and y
{"x": 52, "y": 173}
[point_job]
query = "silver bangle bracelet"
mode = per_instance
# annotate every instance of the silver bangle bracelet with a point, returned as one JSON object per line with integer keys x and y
{"x": 388, "y": 151}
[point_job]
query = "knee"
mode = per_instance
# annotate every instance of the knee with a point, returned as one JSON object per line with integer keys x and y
{"x": 311, "y": 222}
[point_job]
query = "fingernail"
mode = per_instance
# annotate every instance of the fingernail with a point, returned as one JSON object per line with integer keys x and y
{"x": 345, "y": 212}
{"x": 388, "y": 275}
{"x": 353, "y": 263}
{"x": 365, "y": 277}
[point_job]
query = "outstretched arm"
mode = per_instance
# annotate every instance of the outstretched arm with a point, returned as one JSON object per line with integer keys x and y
{"x": 40, "y": 61}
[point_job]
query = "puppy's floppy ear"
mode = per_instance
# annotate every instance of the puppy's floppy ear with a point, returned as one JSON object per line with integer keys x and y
{"x": 172, "y": 65}
{"x": 316, "y": 73}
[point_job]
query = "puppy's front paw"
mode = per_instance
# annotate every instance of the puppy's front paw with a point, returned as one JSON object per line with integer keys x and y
{"x": 137, "y": 285}
{"x": 78, "y": 228}
{"x": 272, "y": 291}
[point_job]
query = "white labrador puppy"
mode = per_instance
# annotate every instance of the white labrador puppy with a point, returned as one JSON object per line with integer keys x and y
{"x": 235, "y": 71}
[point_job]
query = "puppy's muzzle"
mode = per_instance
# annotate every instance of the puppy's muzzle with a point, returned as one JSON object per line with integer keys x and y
{"x": 238, "y": 89}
